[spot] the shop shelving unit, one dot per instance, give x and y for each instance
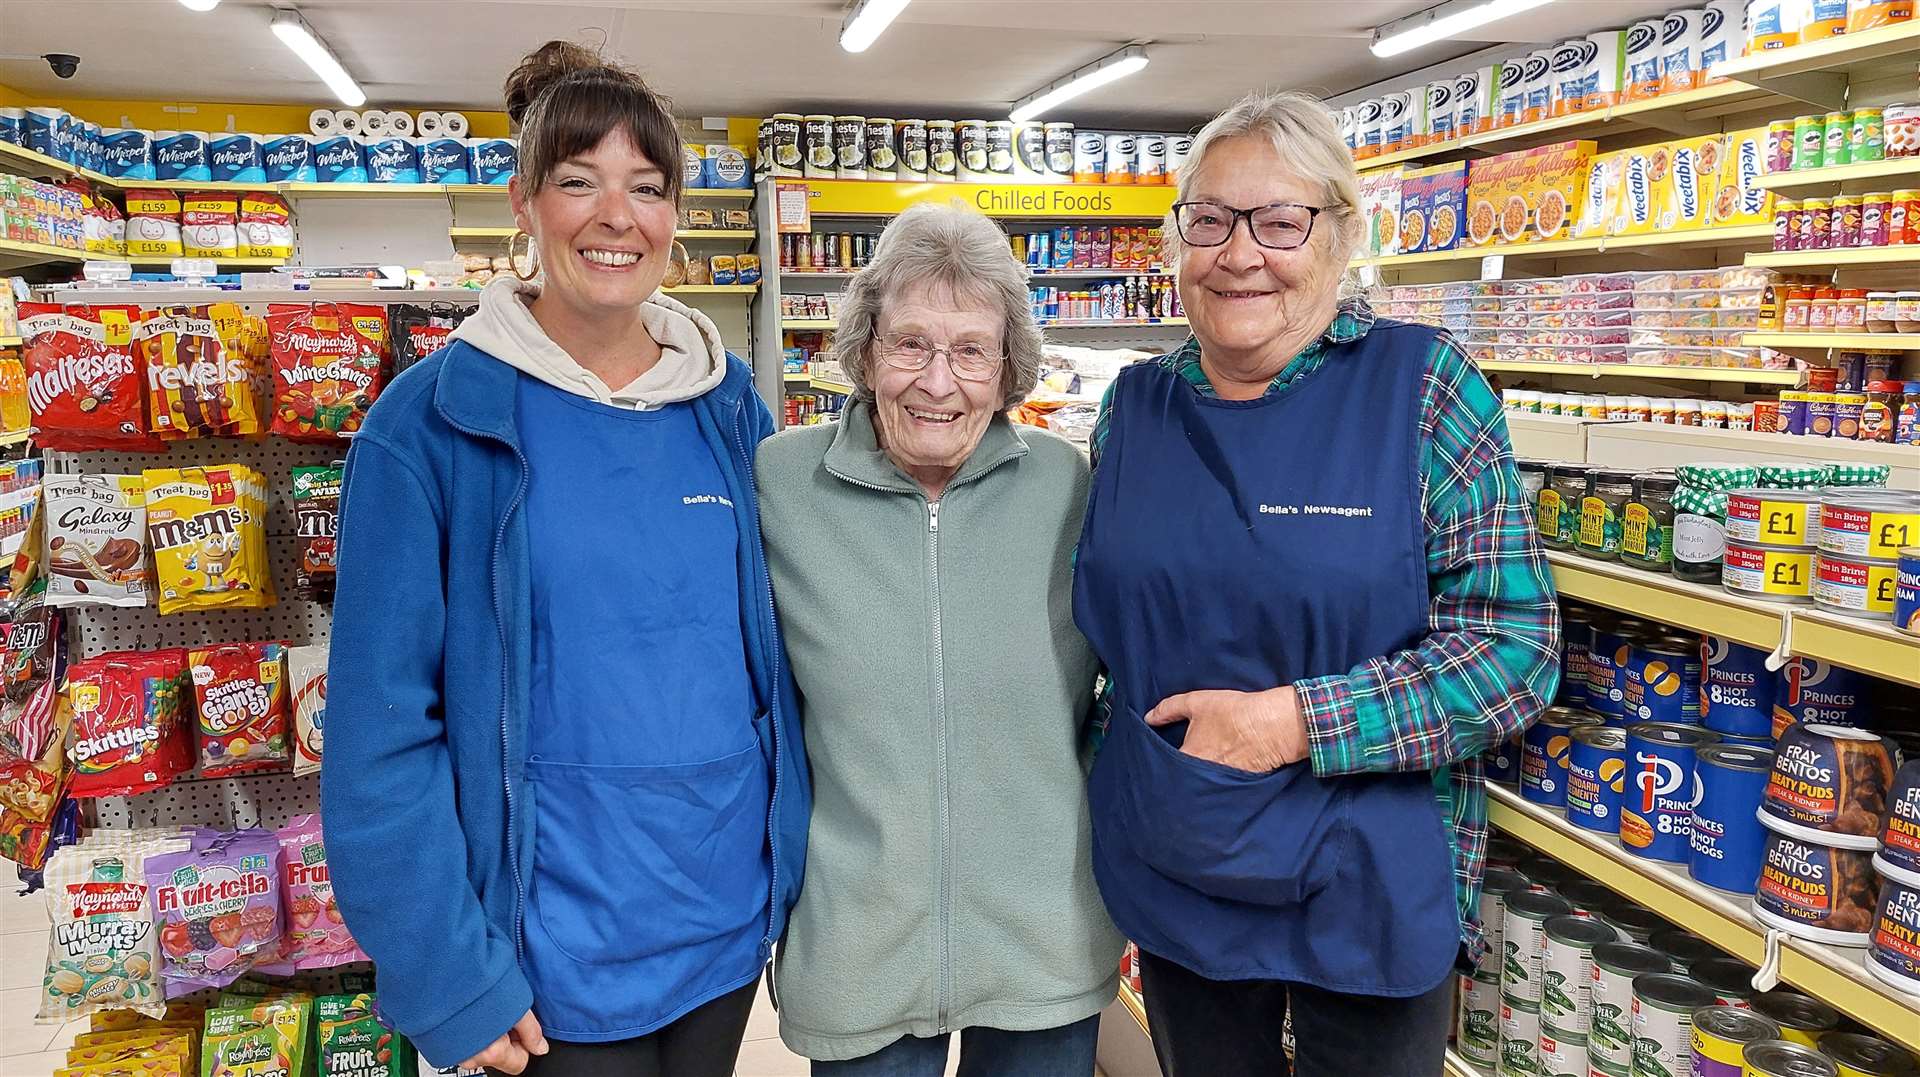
(1852, 258)
(14, 254)
(1471, 256)
(1658, 373)
(1820, 72)
(1896, 171)
(1832, 974)
(1675, 113)
(1870, 646)
(1619, 443)
(1904, 342)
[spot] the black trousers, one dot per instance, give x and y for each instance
(1231, 1028)
(704, 1043)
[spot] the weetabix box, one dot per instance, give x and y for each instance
(1380, 208)
(1496, 206)
(1743, 160)
(1637, 211)
(1601, 201)
(1685, 193)
(1556, 188)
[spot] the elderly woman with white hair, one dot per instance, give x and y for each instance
(1310, 570)
(921, 552)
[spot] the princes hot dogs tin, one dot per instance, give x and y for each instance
(1727, 838)
(1737, 699)
(1656, 820)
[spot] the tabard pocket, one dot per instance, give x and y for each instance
(634, 861)
(1267, 839)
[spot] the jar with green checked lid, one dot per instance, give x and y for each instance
(1699, 533)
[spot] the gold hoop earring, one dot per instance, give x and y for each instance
(513, 260)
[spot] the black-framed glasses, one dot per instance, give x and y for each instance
(968, 361)
(1280, 226)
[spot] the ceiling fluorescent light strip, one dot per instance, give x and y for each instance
(867, 21)
(295, 34)
(1441, 22)
(1112, 66)
(200, 5)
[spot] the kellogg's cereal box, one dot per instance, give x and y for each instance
(1433, 208)
(1496, 204)
(1380, 208)
(1736, 200)
(1555, 187)
(1685, 195)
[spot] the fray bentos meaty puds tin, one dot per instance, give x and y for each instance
(1816, 892)
(1830, 784)
(1899, 855)
(1893, 952)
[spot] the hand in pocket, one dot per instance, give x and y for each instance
(1251, 731)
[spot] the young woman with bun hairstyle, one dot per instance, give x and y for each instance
(565, 799)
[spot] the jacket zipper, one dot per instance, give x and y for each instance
(945, 1000)
(506, 688)
(944, 992)
(773, 698)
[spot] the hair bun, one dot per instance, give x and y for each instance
(548, 64)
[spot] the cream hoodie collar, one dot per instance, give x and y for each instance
(692, 359)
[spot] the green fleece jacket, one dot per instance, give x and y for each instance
(943, 692)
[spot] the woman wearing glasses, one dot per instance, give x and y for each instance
(921, 552)
(1310, 571)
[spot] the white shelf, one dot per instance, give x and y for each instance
(1811, 180)
(1903, 342)
(1657, 373)
(1834, 975)
(1870, 646)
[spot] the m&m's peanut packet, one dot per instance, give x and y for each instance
(208, 530)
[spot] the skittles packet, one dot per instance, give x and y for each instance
(241, 692)
(129, 732)
(218, 910)
(207, 527)
(329, 364)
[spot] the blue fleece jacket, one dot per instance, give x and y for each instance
(425, 792)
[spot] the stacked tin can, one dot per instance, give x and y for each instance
(1478, 1033)
(1862, 533)
(1566, 999)
(1825, 810)
(1773, 535)
(1896, 921)
(1523, 933)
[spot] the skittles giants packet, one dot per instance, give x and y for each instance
(130, 732)
(316, 511)
(317, 938)
(201, 379)
(354, 1042)
(218, 909)
(84, 382)
(241, 692)
(329, 364)
(208, 529)
(102, 954)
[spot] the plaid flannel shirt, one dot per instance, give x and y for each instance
(1491, 659)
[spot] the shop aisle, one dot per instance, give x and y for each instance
(26, 1049)
(32, 1050)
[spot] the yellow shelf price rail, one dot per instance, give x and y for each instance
(1849, 258)
(1833, 975)
(1823, 341)
(1693, 237)
(1870, 646)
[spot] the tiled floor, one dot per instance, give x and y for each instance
(27, 1049)
(34, 1050)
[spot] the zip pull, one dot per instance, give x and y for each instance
(933, 516)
